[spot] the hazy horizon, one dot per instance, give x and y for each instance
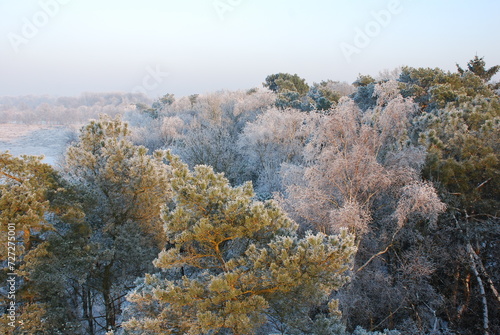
(67, 47)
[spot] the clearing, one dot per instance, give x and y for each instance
(50, 141)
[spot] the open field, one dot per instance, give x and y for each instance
(49, 141)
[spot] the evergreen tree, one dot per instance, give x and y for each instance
(285, 81)
(462, 137)
(234, 264)
(124, 189)
(24, 184)
(325, 94)
(31, 198)
(478, 67)
(291, 91)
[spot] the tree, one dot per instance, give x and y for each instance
(478, 67)
(233, 263)
(275, 137)
(55, 270)
(285, 81)
(435, 89)
(461, 135)
(360, 172)
(211, 130)
(324, 95)
(33, 198)
(364, 95)
(364, 80)
(24, 185)
(124, 188)
(291, 90)
(355, 157)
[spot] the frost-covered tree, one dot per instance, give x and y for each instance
(327, 93)
(235, 264)
(478, 67)
(291, 91)
(353, 158)
(275, 137)
(57, 267)
(24, 186)
(124, 188)
(24, 183)
(460, 128)
(285, 81)
(364, 95)
(436, 89)
(32, 199)
(362, 173)
(211, 129)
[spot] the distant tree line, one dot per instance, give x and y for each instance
(50, 110)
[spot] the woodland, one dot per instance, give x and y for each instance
(369, 208)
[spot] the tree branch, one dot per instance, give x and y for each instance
(11, 177)
(373, 257)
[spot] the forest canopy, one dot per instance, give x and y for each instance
(295, 208)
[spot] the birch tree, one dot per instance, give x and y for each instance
(362, 173)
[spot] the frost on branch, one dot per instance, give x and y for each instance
(234, 263)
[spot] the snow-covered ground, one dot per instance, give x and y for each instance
(50, 141)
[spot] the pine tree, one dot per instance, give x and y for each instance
(462, 137)
(233, 263)
(478, 67)
(32, 197)
(24, 183)
(291, 91)
(124, 189)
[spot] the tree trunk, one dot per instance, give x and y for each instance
(87, 309)
(27, 239)
(481, 289)
(108, 301)
(485, 274)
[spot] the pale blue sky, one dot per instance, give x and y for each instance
(113, 45)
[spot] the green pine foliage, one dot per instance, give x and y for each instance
(233, 263)
(459, 124)
(24, 184)
(122, 189)
(291, 91)
(464, 153)
(478, 67)
(33, 199)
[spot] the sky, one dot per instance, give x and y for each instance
(66, 47)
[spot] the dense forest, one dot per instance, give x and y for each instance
(369, 208)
